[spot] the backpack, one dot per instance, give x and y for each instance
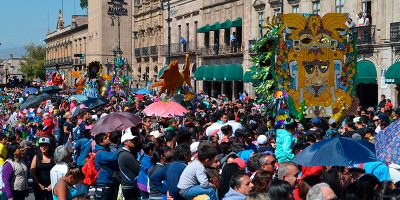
(78, 152)
(89, 169)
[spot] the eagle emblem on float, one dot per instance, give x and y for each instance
(176, 82)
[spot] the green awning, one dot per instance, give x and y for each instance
(226, 25)
(219, 73)
(198, 74)
(233, 72)
(162, 71)
(248, 76)
(392, 75)
(237, 23)
(215, 27)
(366, 72)
(204, 29)
(228, 72)
(208, 74)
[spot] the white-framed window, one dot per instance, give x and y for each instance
(316, 7)
(295, 9)
(339, 6)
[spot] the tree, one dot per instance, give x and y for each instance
(33, 63)
(84, 4)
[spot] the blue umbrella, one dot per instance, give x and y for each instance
(78, 97)
(337, 151)
(143, 91)
(34, 100)
(52, 89)
(387, 143)
(30, 90)
(93, 103)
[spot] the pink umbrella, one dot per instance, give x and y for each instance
(165, 109)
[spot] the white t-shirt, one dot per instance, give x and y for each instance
(57, 172)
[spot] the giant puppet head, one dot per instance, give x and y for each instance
(315, 62)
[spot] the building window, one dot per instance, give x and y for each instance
(295, 9)
(277, 11)
(316, 7)
(339, 6)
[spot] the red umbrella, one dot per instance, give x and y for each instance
(165, 109)
(117, 121)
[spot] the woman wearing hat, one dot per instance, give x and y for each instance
(40, 169)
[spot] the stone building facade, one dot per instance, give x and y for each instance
(218, 35)
(95, 37)
(62, 44)
(184, 18)
(10, 68)
(147, 30)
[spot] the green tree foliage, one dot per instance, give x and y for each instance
(33, 63)
(264, 60)
(84, 4)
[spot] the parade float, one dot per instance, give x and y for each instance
(55, 78)
(176, 82)
(306, 65)
(91, 84)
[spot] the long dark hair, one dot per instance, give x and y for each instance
(261, 181)
(279, 190)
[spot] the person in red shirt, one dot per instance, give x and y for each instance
(48, 125)
(388, 105)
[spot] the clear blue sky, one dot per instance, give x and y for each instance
(27, 21)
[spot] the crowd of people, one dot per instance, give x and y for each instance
(221, 149)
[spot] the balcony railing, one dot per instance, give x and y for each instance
(274, 1)
(137, 52)
(153, 51)
(364, 35)
(178, 49)
(145, 51)
(395, 32)
(216, 50)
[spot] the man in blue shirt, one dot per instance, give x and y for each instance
(172, 172)
(106, 163)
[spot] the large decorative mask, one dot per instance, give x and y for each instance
(315, 62)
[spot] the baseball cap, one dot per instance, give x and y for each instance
(315, 120)
(240, 162)
(44, 140)
(156, 134)
(194, 147)
(332, 121)
(262, 139)
(126, 137)
(357, 119)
